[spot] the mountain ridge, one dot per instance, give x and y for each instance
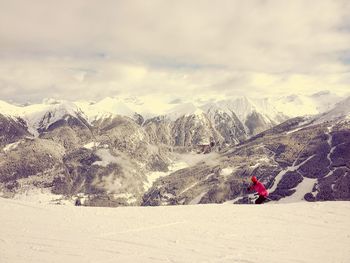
(111, 161)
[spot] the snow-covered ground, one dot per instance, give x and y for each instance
(42, 196)
(153, 176)
(341, 110)
(298, 232)
(192, 158)
(292, 168)
(301, 190)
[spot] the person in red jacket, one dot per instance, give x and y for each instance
(260, 188)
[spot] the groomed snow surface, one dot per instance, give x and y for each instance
(298, 232)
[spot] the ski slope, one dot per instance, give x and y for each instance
(298, 232)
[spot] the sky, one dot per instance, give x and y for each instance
(172, 50)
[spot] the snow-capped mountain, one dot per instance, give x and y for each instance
(39, 117)
(105, 108)
(230, 121)
(231, 128)
(325, 100)
(12, 130)
(340, 111)
(184, 109)
(295, 160)
(195, 129)
(112, 159)
(246, 116)
(243, 107)
(301, 105)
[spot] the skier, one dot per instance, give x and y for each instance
(260, 188)
(77, 202)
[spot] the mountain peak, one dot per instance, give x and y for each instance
(340, 111)
(184, 109)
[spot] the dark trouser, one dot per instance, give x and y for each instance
(260, 200)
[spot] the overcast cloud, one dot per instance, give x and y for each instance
(89, 49)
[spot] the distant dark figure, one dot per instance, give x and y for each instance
(260, 188)
(77, 202)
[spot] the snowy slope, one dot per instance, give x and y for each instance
(105, 108)
(9, 109)
(52, 110)
(40, 115)
(148, 107)
(243, 107)
(340, 111)
(301, 105)
(108, 107)
(303, 232)
(271, 110)
(185, 109)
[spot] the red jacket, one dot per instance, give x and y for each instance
(260, 188)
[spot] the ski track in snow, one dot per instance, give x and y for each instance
(144, 229)
(283, 172)
(316, 232)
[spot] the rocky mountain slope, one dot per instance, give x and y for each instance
(297, 160)
(112, 160)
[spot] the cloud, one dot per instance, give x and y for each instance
(90, 49)
(176, 101)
